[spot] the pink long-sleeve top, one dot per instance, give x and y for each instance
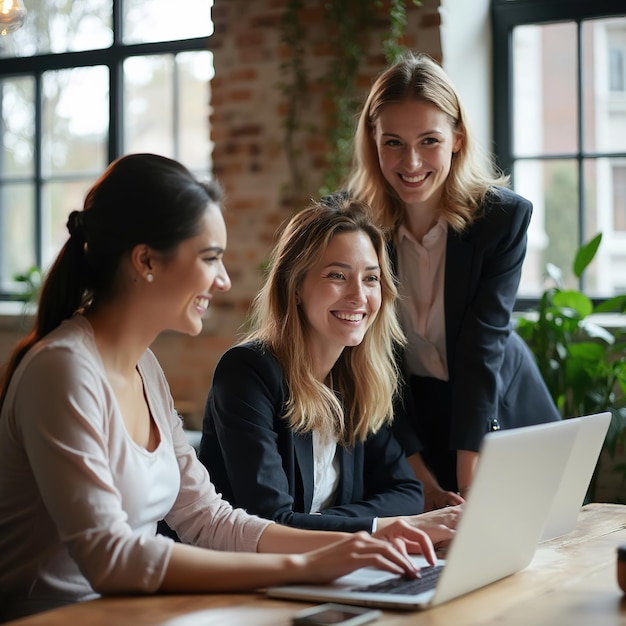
(79, 499)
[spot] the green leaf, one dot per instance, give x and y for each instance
(574, 300)
(585, 255)
(619, 371)
(588, 351)
(617, 303)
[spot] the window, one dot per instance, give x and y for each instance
(617, 69)
(560, 131)
(619, 196)
(81, 83)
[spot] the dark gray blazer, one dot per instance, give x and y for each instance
(493, 377)
(257, 462)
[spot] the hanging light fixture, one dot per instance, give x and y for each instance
(12, 15)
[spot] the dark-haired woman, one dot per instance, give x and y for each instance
(92, 453)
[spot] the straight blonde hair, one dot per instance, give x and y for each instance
(472, 176)
(366, 376)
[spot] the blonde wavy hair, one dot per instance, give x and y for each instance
(472, 175)
(365, 377)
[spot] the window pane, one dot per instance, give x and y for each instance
(195, 70)
(604, 76)
(544, 89)
(76, 120)
(619, 197)
(17, 126)
(17, 224)
(63, 26)
(605, 183)
(552, 187)
(59, 200)
(166, 20)
(149, 101)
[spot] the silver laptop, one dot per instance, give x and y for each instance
(577, 476)
(518, 474)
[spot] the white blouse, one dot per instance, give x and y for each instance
(325, 472)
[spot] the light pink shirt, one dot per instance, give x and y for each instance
(79, 499)
(421, 272)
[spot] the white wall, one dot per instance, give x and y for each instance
(466, 49)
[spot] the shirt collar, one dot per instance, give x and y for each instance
(430, 238)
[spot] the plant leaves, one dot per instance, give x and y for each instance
(573, 300)
(585, 255)
(617, 303)
(587, 350)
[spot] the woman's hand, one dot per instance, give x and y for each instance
(434, 496)
(440, 525)
(407, 536)
(437, 498)
(386, 552)
(192, 569)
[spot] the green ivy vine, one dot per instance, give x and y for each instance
(295, 85)
(349, 24)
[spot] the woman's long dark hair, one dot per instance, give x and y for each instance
(140, 199)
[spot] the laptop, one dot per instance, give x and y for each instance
(577, 476)
(517, 477)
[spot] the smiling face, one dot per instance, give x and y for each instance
(340, 297)
(415, 142)
(187, 280)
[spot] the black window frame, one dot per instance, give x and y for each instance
(505, 16)
(113, 58)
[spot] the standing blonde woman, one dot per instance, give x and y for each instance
(297, 422)
(458, 244)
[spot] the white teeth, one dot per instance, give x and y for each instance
(202, 302)
(413, 179)
(350, 317)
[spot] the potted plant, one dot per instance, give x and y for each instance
(582, 362)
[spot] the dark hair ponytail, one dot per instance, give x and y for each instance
(140, 198)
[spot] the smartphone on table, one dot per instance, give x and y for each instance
(335, 615)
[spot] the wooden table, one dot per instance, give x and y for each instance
(570, 582)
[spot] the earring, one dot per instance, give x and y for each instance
(149, 277)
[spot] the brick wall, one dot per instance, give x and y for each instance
(249, 159)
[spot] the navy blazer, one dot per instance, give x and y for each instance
(258, 463)
(493, 376)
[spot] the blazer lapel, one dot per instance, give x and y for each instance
(459, 252)
(346, 475)
(303, 445)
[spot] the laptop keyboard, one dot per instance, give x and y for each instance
(409, 586)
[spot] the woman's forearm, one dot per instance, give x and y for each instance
(465, 468)
(284, 539)
(422, 473)
(434, 496)
(193, 569)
